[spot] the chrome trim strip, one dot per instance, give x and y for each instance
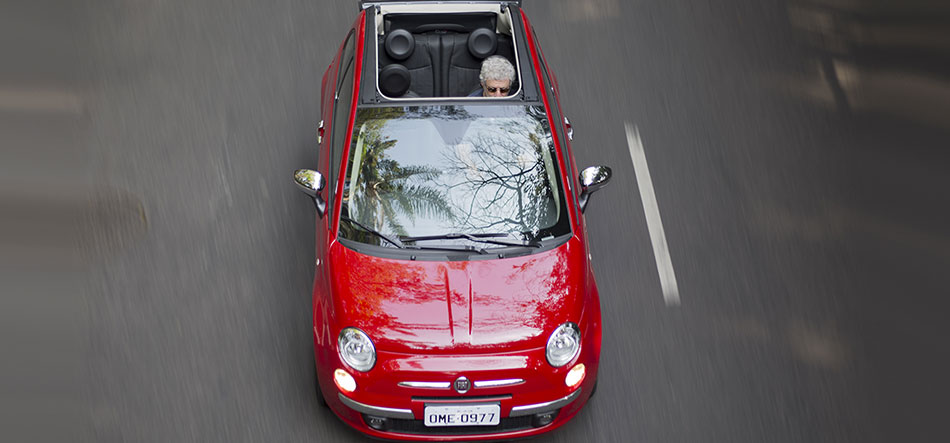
(498, 383)
(518, 411)
(426, 384)
(376, 410)
(448, 384)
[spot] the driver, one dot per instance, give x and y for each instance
(496, 78)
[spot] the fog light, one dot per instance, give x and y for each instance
(377, 423)
(575, 376)
(344, 380)
(543, 419)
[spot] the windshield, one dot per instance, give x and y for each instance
(422, 171)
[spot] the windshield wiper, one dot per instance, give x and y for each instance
(481, 238)
(458, 248)
(414, 247)
(371, 231)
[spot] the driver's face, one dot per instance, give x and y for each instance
(496, 88)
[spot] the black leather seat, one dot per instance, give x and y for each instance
(466, 53)
(419, 53)
(439, 63)
(461, 66)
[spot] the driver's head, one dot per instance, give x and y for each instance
(496, 76)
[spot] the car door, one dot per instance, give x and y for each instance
(561, 127)
(335, 110)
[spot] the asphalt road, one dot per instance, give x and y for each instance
(802, 183)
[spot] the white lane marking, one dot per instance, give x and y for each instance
(664, 265)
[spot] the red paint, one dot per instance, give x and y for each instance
(423, 306)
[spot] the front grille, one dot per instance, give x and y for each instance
(406, 426)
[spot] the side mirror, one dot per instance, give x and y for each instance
(311, 183)
(592, 179)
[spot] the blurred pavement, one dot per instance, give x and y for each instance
(157, 259)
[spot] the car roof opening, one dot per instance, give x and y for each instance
(434, 51)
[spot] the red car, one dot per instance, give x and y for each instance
(453, 297)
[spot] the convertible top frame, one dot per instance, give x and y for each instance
(369, 91)
(363, 4)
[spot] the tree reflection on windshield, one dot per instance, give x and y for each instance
(435, 170)
(505, 174)
(383, 194)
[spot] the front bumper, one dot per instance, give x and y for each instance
(390, 400)
(407, 414)
(402, 421)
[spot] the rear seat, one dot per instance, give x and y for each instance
(462, 65)
(439, 63)
(421, 60)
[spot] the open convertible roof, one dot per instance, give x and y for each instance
(432, 51)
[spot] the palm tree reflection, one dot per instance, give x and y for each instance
(387, 192)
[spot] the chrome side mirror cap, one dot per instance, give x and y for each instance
(311, 183)
(592, 179)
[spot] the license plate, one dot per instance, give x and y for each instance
(462, 415)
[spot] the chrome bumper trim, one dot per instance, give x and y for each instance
(448, 384)
(376, 410)
(518, 411)
(498, 383)
(426, 384)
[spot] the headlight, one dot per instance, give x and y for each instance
(564, 344)
(356, 349)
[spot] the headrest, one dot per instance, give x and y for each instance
(394, 80)
(399, 44)
(482, 42)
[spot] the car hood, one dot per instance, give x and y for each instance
(493, 305)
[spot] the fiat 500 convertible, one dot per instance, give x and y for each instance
(453, 296)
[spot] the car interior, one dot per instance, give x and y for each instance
(439, 54)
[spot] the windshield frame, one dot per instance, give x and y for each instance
(564, 223)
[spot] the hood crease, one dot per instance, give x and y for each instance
(448, 303)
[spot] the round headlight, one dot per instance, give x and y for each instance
(564, 344)
(356, 349)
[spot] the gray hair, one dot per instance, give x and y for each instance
(496, 67)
